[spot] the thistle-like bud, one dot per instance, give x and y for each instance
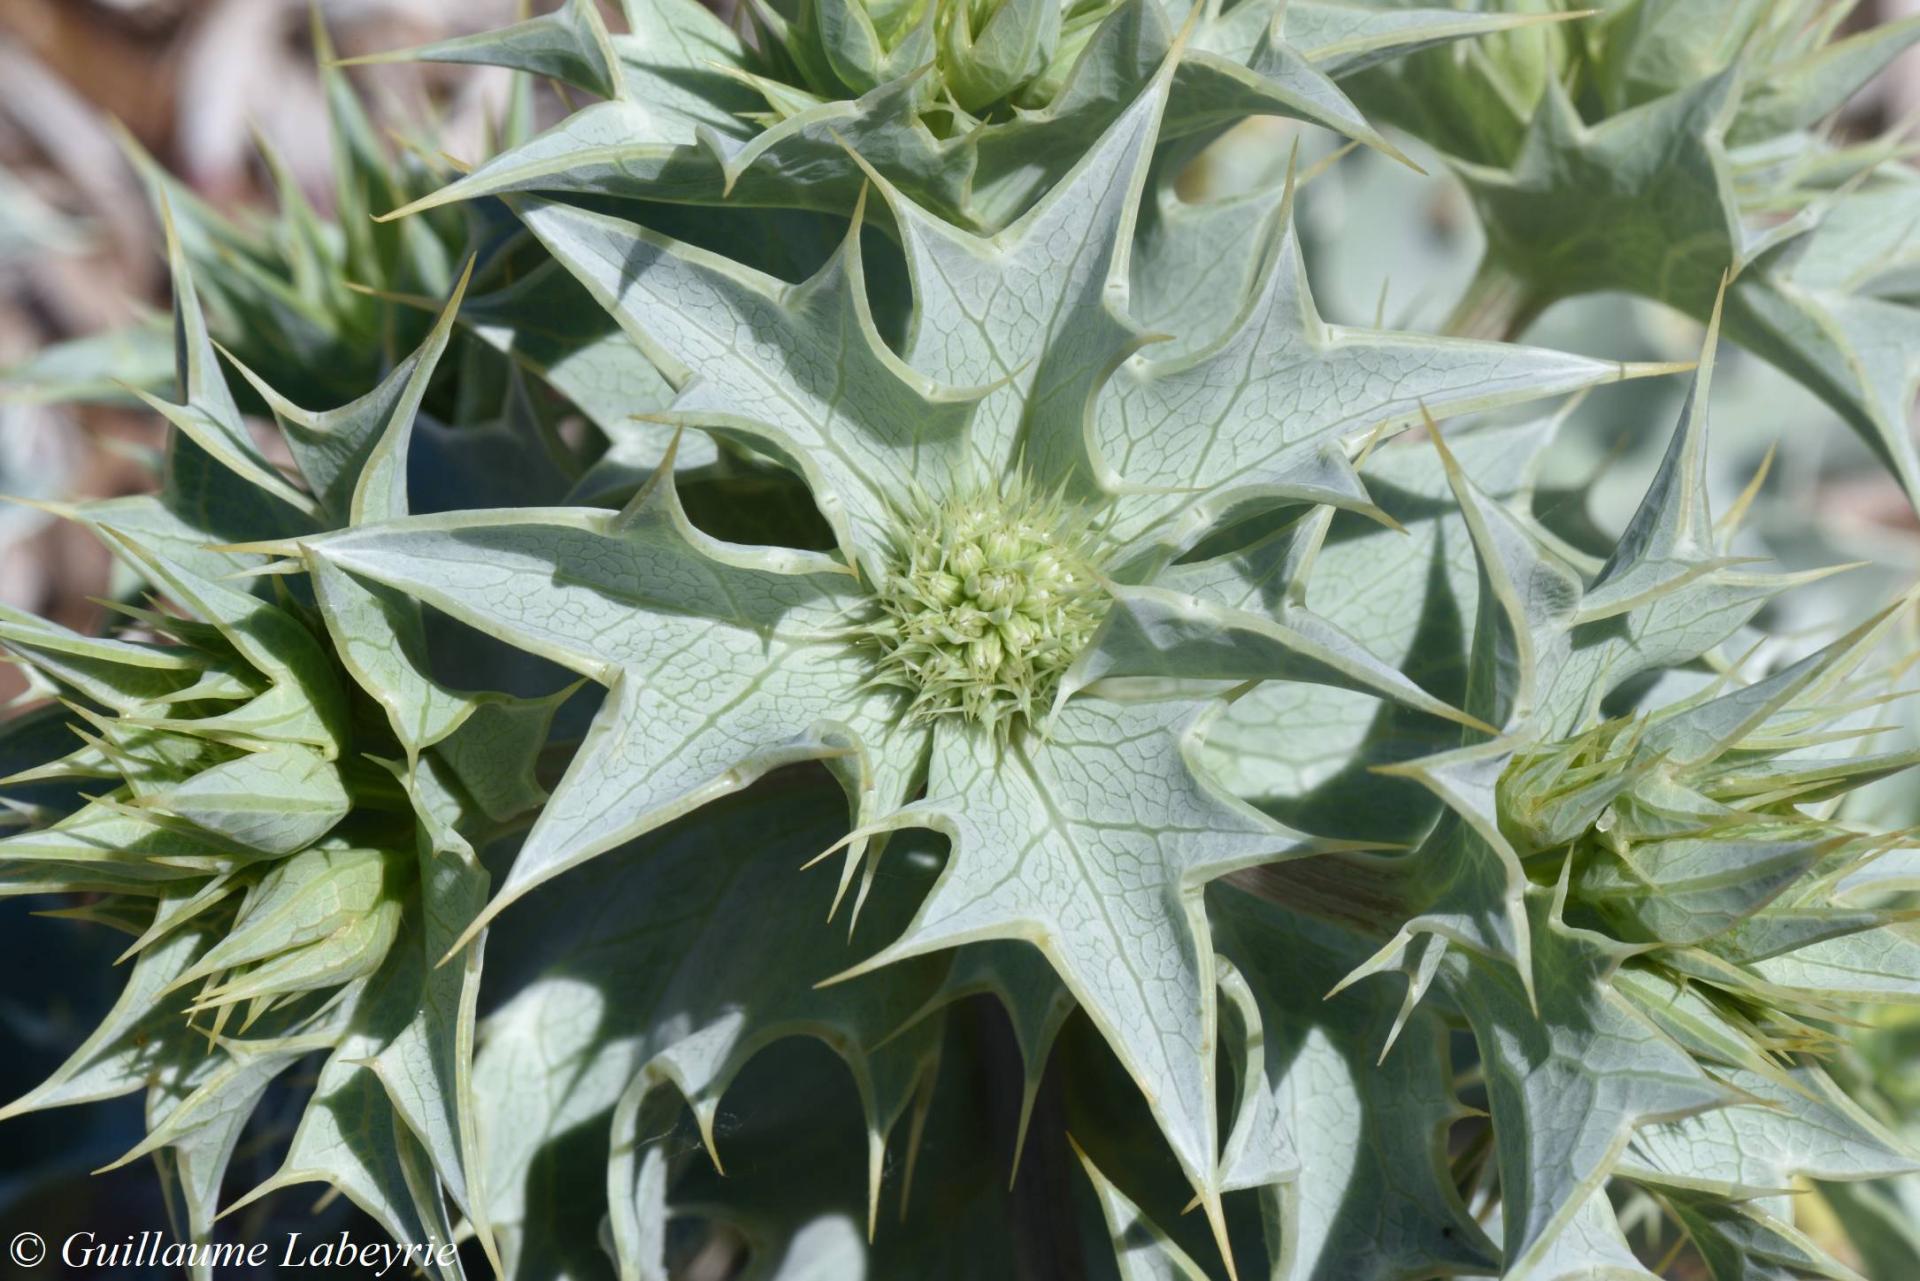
(1689, 827)
(990, 48)
(992, 596)
(853, 46)
(983, 51)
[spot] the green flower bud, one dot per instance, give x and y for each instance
(989, 633)
(940, 587)
(999, 589)
(984, 655)
(990, 48)
(853, 46)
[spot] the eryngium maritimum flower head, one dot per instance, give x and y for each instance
(988, 599)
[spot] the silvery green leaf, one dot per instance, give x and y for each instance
(108, 847)
(1570, 1084)
(1343, 38)
(276, 801)
(1472, 887)
(1802, 1126)
(1371, 1196)
(817, 384)
(335, 449)
(1153, 632)
(1332, 387)
(316, 920)
(1804, 91)
(677, 55)
(378, 634)
(363, 449)
(207, 413)
(1876, 965)
(426, 1067)
(491, 758)
(195, 513)
(120, 674)
(651, 968)
(641, 587)
(1892, 872)
(303, 702)
(1838, 344)
(1667, 594)
(1012, 338)
(1036, 313)
(569, 44)
(1591, 1247)
(1688, 889)
(1402, 595)
(825, 1250)
(117, 1057)
(1742, 1242)
(674, 129)
(1651, 51)
(891, 1061)
(350, 1135)
(1088, 622)
(546, 322)
(1142, 1251)
(1567, 173)
(1690, 1016)
(1670, 539)
(1191, 256)
(1574, 207)
(1014, 44)
(1040, 837)
(1036, 1002)
(195, 1117)
(1212, 92)
(623, 148)
(201, 1091)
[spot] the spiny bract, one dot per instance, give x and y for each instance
(883, 461)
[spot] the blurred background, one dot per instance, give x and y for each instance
(210, 88)
(200, 85)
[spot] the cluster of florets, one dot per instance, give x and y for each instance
(1687, 827)
(981, 52)
(1552, 794)
(988, 599)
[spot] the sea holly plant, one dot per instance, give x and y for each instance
(972, 109)
(1663, 144)
(282, 824)
(1000, 509)
(1630, 911)
(843, 694)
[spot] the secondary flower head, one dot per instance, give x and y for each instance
(973, 55)
(988, 600)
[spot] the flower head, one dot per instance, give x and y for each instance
(989, 599)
